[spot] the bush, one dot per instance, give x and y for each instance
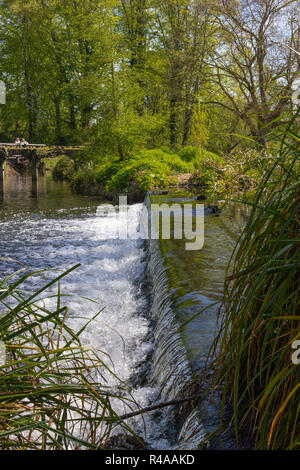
(208, 160)
(64, 168)
(144, 173)
(209, 180)
(147, 170)
(188, 153)
(83, 181)
(105, 172)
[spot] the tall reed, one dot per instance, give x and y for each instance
(49, 397)
(261, 317)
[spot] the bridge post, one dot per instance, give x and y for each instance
(2, 160)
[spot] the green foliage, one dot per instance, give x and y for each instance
(127, 134)
(83, 181)
(200, 126)
(208, 160)
(209, 180)
(147, 170)
(64, 168)
(105, 172)
(241, 171)
(208, 169)
(261, 308)
(201, 158)
(111, 73)
(250, 161)
(188, 153)
(174, 161)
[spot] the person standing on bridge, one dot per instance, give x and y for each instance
(24, 143)
(17, 141)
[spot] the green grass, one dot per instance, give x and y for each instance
(261, 316)
(49, 397)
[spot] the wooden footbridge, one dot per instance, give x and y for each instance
(19, 154)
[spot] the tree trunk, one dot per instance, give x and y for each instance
(175, 102)
(58, 133)
(72, 113)
(31, 100)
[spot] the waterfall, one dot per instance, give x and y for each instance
(170, 368)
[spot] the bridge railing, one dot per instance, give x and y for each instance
(21, 145)
(46, 148)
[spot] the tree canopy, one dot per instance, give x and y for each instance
(126, 74)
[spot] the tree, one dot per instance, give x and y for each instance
(57, 55)
(255, 62)
(185, 33)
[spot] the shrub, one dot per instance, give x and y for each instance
(208, 160)
(144, 173)
(177, 165)
(105, 172)
(146, 170)
(83, 180)
(188, 153)
(165, 156)
(209, 180)
(64, 168)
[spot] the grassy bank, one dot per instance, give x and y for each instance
(162, 168)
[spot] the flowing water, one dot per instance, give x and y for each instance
(57, 230)
(52, 228)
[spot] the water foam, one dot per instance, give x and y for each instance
(111, 274)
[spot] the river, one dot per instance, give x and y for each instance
(56, 229)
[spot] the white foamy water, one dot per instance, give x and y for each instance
(111, 274)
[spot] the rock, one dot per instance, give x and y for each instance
(124, 442)
(213, 209)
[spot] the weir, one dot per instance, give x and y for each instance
(147, 295)
(170, 368)
(184, 284)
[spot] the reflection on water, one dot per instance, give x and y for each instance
(20, 194)
(197, 277)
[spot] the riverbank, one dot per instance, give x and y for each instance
(187, 290)
(163, 169)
